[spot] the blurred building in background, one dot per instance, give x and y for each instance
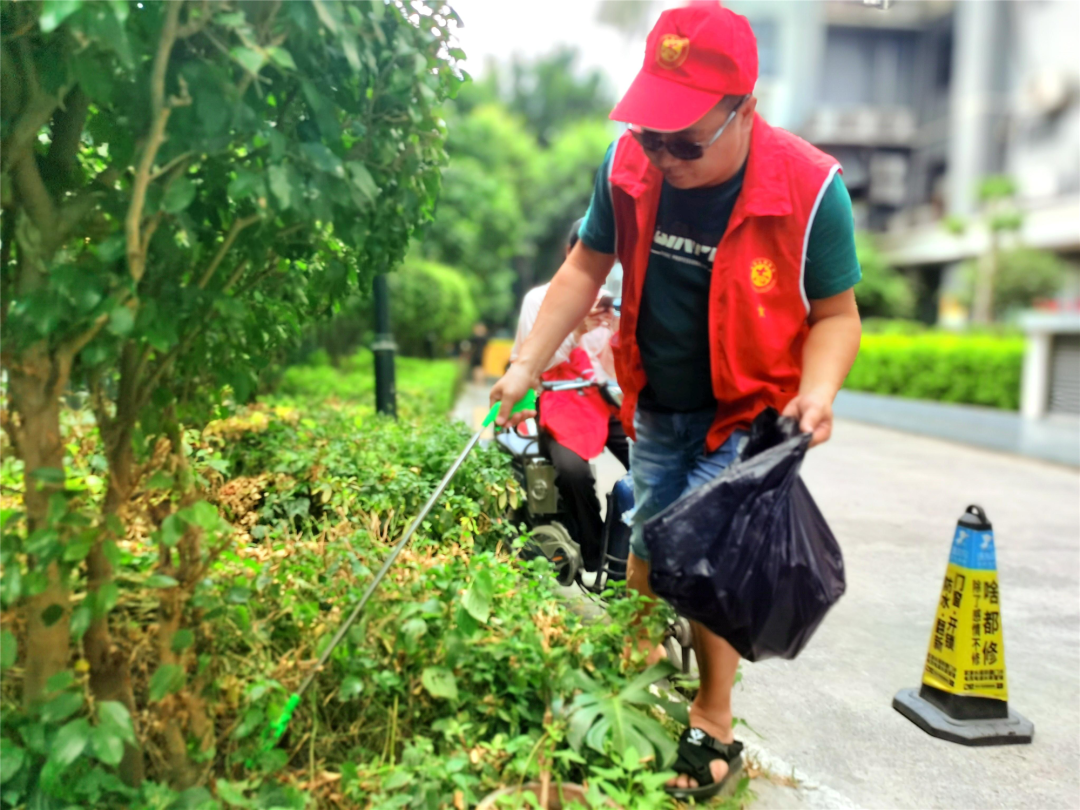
(923, 101)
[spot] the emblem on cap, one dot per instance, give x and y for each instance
(672, 51)
(762, 275)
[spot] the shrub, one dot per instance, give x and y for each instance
(883, 292)
(1024, 275)
(978, 370)
(429, 303)
(431, 309)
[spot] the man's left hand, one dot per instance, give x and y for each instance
(814, 412)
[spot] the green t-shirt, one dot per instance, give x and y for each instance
(673, 323)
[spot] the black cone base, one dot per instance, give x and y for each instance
(1011, 730)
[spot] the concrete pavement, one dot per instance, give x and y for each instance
(893, 499)
(1055, 437)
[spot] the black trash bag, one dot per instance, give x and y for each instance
(749, 554)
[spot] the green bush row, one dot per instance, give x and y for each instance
(433, 382)
(977, 370)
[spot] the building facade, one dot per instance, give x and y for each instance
(921, 102)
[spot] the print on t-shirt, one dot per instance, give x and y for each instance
(683, 249)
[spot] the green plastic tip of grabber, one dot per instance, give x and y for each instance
(526, 403)
(278, 727)
(272, 733)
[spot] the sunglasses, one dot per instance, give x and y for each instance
(652, 141)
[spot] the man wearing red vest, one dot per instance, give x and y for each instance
(737, 246)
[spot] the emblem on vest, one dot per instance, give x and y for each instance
(672, 51)
(762, 275)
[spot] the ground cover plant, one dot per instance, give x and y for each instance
(468, 670)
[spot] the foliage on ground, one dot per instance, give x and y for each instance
(971, 369)
(468, 671)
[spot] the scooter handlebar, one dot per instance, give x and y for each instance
(611, 392)
(569, 385)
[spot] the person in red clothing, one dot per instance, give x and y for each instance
(576, 426)
(737, 246)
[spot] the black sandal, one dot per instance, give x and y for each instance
(697, 750)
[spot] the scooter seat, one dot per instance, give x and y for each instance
(517, 445)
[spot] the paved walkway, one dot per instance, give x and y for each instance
(892, 500)
(1053, 438)
(472, 405)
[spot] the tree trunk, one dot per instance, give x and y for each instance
(180, 771)
(38, 441)
(37, 223)
(185, 713)
(110, 670)
(986, 269)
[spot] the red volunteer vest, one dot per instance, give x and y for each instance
(757, 304)
(575, 419)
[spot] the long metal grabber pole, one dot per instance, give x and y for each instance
(273, 733)
(390, 560)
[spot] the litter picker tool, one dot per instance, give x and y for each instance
(272, 733)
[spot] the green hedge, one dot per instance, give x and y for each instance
(423, 383)
(978, 370)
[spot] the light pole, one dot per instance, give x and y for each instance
(383, 348)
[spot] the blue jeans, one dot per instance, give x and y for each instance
(668, 460)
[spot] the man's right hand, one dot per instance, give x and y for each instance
(508, 391)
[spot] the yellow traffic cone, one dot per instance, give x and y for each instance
(964, 696)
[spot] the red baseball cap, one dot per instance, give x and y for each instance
(694, 56)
